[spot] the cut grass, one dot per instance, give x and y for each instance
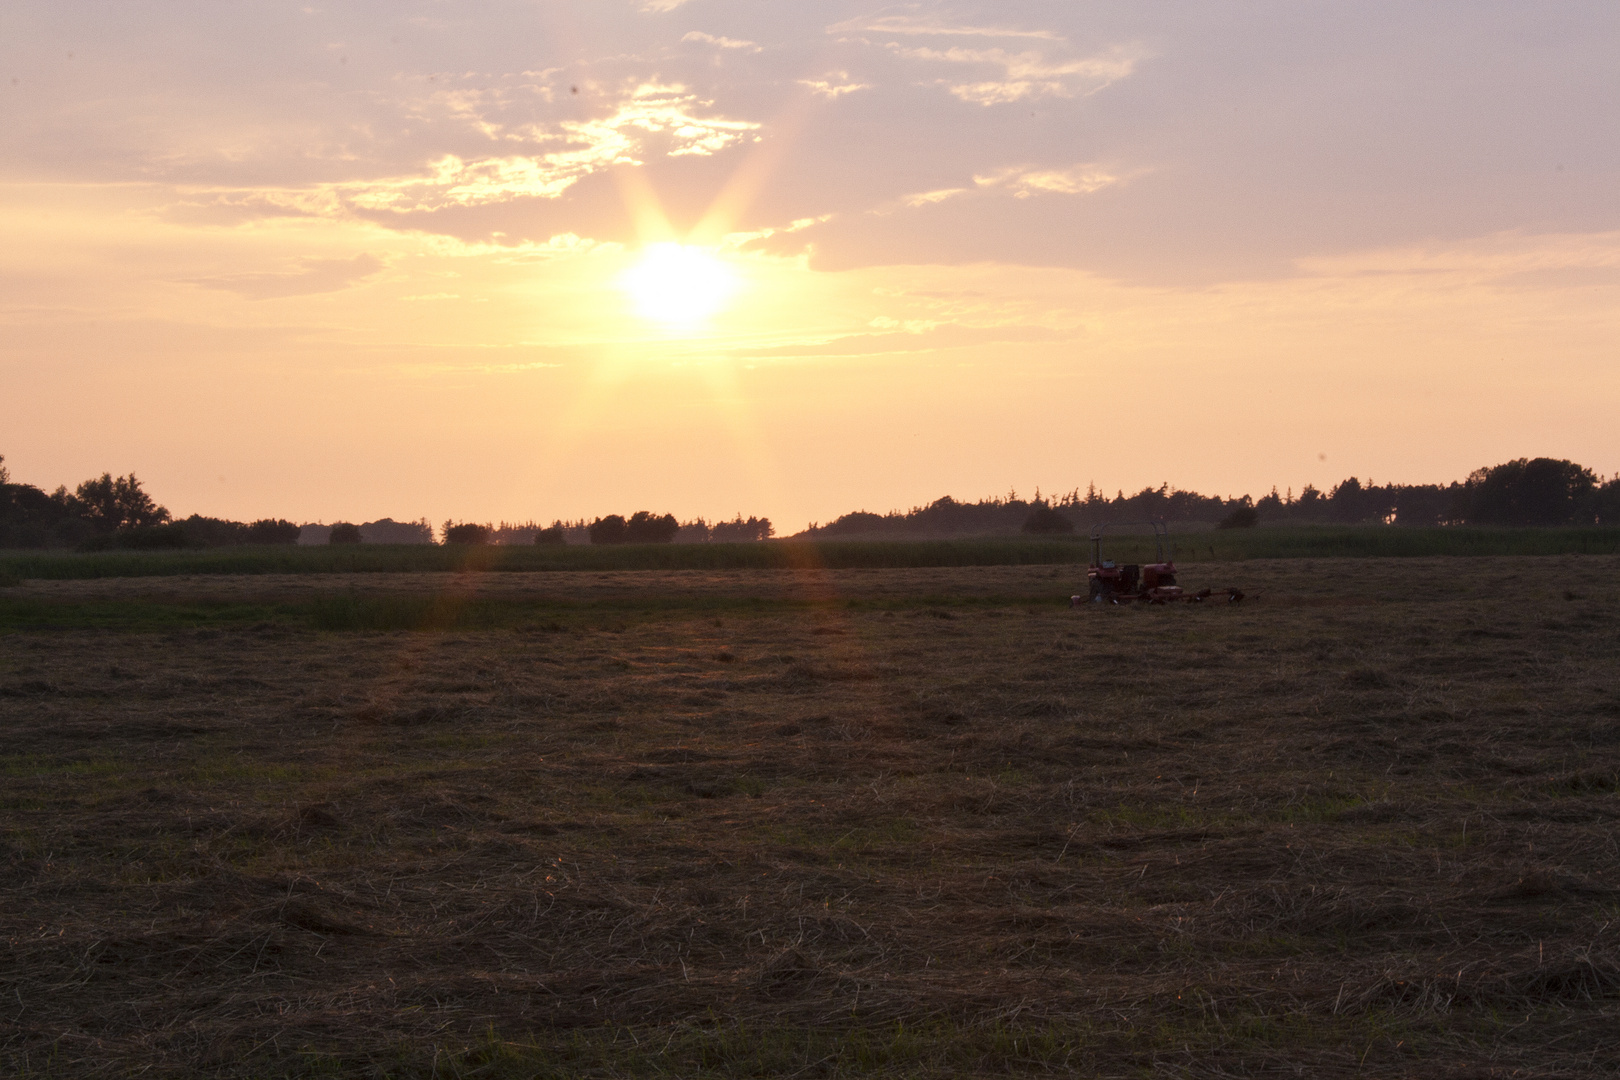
(1365, 827)
(1237, 544)
(349, 613)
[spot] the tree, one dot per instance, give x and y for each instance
(1540, 491)
(742, 531)
(644, 528)
(466, 533)
(612, 529)
(5, 477)
(112, 503)
(1606, 502)
(552, 536)
(344, 532)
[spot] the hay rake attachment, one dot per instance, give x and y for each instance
(1109, 582)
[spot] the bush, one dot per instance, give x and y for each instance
(1243, 516)
(466, 533)
(167, 537)
(344, 533)
(1045, 521)
(217, 532)
(270, 531)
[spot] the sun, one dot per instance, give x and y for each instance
(678, 286)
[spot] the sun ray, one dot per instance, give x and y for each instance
(745, 183)
(646, 209)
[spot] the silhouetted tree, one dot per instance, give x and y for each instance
(112, 503)
(551, 536)
(202, 531)
(389, 531)
(644, 528)
(1539, 491)
(1606, 502)
(612, 529)
(344, 532)
(742, 530)
(466, 533)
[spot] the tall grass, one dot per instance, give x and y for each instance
(1262, 543)
(381, 558)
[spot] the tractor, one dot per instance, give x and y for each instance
(1149, 583)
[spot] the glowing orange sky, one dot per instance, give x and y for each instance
(378, 260)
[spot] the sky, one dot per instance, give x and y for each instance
(526, 259)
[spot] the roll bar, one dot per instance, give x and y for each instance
(1160, 532)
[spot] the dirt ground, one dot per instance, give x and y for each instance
(1364, 823)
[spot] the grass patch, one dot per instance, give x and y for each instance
(702, 825)
(932, 1048)
(1238, 544)
(438, 613)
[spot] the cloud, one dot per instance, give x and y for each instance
(1026, 74)
(1024, 181)
(905, 24)
(654, 121)
(660, 6)
(742, 241)
(903, 336)
(925, 198)
(835, 85)
(722, 42)
(313, 276)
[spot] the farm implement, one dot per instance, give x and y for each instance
(1109, 582)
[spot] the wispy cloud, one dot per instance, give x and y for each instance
(917, 27)
(721, 42)
(834, 85)
(1021, 181)
(655, 120)
(661, 5)
(927, 198)
(312, 276)
(1024, 181)
(902, 336)
(1014, 76)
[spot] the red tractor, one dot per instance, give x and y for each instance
(1149, 583)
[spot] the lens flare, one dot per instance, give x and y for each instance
(678, 286)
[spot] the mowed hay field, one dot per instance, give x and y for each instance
(742, 823)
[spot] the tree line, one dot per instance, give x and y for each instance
(116, 512)
(641, 527)
(1524, 492)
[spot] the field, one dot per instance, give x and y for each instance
(811, 821)
(1185, 546)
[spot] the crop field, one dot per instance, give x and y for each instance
(1187, 545)
(812, 821)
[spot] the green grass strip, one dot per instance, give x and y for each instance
(1231, 545)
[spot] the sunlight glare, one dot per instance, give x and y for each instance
(677, 285)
